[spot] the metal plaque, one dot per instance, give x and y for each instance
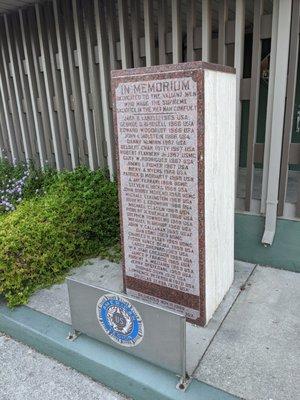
(147, 331)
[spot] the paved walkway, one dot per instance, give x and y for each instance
(256, 352)
(250, 348)
(28, 375)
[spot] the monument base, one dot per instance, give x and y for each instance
(45, 323)
(109, 276)
(107, 314)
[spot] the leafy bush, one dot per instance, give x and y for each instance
(10, 171)
(75, 217)
(38, 181)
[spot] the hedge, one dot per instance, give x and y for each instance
(63, 219)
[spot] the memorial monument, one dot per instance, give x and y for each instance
(175, 132)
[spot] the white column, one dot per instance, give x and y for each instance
(238, 64)
(280, 81)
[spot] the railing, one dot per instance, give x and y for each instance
(55, 103)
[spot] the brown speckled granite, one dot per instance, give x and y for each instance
(194, 70)
(187, 66)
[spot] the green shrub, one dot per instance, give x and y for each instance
(75, 218)
(10, 171)
(38, 181)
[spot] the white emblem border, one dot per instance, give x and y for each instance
(141, 328)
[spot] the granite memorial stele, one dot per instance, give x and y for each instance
(175, 133)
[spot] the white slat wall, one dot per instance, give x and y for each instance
(55, 62)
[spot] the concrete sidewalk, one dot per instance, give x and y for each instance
(256, 352)
(26, 374)
(250, 348)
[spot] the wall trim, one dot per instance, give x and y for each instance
(285, 250)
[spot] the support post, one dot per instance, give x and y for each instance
(66, 85)
(266, 160)
(135, 29)
(46, 68)
(206, 30)
(280, 79)
(254, 99)
(30, 87)
(238, 64)
(149, 33)
(176, 32)
(223, 16)
(84, 84)
(124, 34)
(105, 85)
(290, 102)
(190, 27)
(162, 30)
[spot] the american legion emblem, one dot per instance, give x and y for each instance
(120, 320)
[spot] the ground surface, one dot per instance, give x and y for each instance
(55, 302)
(250, 348)
(256, 353)
(28, 375)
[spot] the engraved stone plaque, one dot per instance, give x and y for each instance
(159, 125)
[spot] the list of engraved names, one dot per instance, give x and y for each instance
(157, 134)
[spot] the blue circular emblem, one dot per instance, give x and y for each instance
(120, 320)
